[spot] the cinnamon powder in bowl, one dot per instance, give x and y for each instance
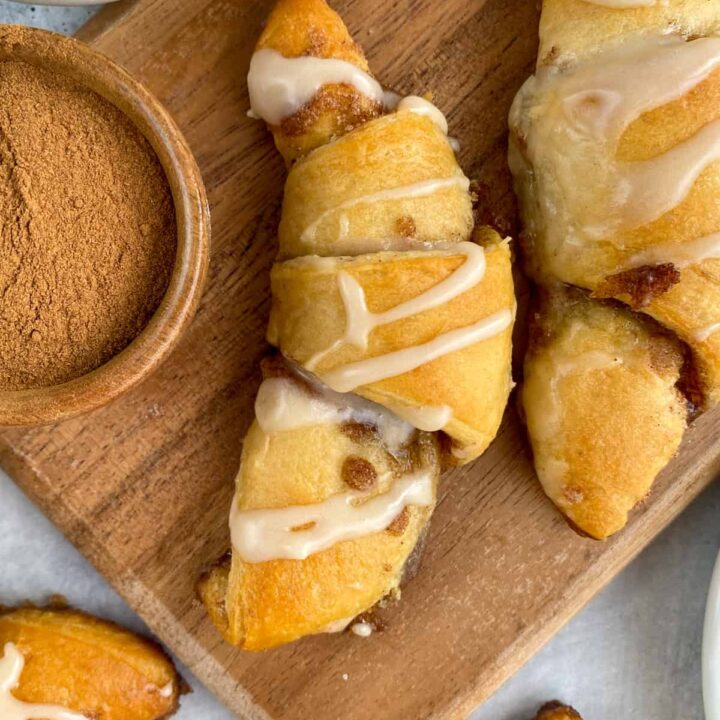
(88, 235)
(103, 229)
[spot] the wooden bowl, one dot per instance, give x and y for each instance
(92, 69)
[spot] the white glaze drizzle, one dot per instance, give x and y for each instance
(362, 629)
(284, 404)
(649, 189)
(348, 377)
(681, 255)
(11, 667)
(574, 119)
(430, 418)
(280, 86)
(589, 361)
(423, 188)
(421, 106)
(704, 333)
(270, 534)
(360, 322)
(166, 691)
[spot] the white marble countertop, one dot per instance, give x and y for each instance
(633, 653)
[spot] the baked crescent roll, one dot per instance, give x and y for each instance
(557, 711)
(586, 361)
(66, 665)
(395, 322)
(615, 143)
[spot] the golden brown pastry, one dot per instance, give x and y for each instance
(395, 320)
(263, 604)
(308, 316)
(557, 711)
(381, 191)
(306, 27)
(615, 145)
(61, 664)
(328, 210)
(586, 360)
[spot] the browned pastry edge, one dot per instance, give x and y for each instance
(373, 616)
(689, 385)
(640, 285)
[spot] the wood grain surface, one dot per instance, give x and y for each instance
(143, 486)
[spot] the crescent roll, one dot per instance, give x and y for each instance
(62, 664)
(393, 317)
(615, 143)
(586, 360)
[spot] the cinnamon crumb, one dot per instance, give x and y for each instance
(642, 284)
(359, 432)
(358, 473)
(405, 227)
(315, 42)
(398, 526)
(553, 53)
(305, 526)
(690, 386)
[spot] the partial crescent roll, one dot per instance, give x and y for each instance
(586, 361)
(62, 664)
(557, 711)
(335, 108)
(615, 144)
(394, 317)
(330, 211)
(281, 600)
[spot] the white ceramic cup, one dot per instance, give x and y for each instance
(711, 649)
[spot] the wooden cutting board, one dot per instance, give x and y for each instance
(143, 487)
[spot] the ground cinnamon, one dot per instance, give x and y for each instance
(87, 229)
